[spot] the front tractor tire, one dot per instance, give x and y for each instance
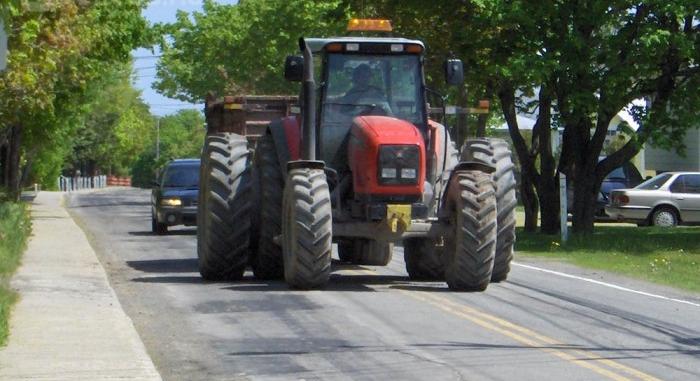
(267, 262)
(306, 229)
(471, 245)
(225, 225)
(496, 152)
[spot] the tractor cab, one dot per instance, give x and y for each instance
(372, 89)
(366, 77)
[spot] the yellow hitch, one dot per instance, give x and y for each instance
(398, 217)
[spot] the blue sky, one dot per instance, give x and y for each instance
(145, 62)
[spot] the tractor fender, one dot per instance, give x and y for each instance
(286, 134)
(474, 166)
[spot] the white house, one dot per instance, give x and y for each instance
(660, 160)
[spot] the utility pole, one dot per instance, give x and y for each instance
(563, 207)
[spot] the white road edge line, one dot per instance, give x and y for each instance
(605, 284)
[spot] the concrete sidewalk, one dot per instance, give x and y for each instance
(68, 323)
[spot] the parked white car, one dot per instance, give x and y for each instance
(667, 199)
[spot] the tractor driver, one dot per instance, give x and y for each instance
(361, 87)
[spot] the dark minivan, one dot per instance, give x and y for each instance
(174, 195)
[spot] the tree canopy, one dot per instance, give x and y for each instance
(59, 54)
(239, 48)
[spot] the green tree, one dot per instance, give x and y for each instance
(58, 52)
(181, 136)
(580, 62)
(116, 128)
(239, 48)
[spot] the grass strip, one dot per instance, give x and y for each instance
(669, 256)
(15, 226)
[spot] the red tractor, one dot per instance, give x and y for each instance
(364, 167)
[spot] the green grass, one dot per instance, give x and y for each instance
(665, 256)
(14, 229)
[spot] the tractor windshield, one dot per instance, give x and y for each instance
(372, 85)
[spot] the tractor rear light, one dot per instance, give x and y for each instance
(389, 173)
(396, 48)
(408, 173)
(354, 47)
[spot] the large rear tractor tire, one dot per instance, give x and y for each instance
(307, 229)
(267, 262)
(496, 152)
(224, 224)
(423, 259)
(471, 245)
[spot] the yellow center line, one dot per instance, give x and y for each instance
(587, 356)
(524, 335)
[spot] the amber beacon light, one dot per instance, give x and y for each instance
(369, 25)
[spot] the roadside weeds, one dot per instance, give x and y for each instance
(15, 227)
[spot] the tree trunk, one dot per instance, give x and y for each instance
(483, 118)
(546, 183)
(548, 194)
(529, 200)
(585, 197)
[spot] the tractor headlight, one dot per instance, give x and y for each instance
(398, 164)
(172, 201)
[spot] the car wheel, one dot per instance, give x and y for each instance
(664, 217)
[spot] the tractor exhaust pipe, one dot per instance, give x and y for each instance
(308, 142)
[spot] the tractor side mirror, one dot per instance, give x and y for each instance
(294, 68)
(454, 72)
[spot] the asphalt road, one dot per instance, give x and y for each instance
(548, 321)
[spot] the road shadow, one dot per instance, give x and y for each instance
(339, 280)
(171, 279)
(178, 232)
(185, 265)
(106, 204)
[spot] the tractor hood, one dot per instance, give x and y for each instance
(386, 156)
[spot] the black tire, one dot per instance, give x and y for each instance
(497, 153)
(664, 216)
(471, 246)
(225, 224)
(346, 250)
(423, 259)
(368, 252)
(267, 261)
(157, 227)
(307, 229)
